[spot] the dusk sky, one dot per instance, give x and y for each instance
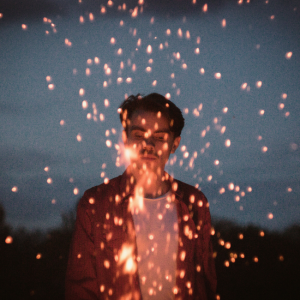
(233, 68)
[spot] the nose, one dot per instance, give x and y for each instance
(148, 143)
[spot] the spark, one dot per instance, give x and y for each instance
(244, 86)
(79, 137)
(227, 143)
(258, 84)
(81, 92)
(288, 55)
(231, 186)
(149, 49)
(85, 104)
(9, 240)
(134, 13)
(68, 43)
(179, 33)
(264, 149)
(218, 75)
(51, 86)
(225, 110)
(284, 96)
(14, 189)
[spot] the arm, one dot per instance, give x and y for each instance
(208, 260)
(206, 280)
(81, 277)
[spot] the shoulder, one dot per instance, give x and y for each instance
(190, 194)
(99, 197)
(104, 188)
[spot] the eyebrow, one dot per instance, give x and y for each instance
(136, 127)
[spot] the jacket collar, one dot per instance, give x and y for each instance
(127, 185)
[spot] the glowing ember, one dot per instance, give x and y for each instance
(108, 143)
(264, 149)
(8, 240)
(51, 86)
(149, 49)
(227, 143)
(288, 55)
(218, 75)
(14, 189)
(258, 84)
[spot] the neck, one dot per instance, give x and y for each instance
(150, 184)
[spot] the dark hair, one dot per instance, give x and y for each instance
(153, 103)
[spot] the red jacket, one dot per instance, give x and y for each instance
(97, 266)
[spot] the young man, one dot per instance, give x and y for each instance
(144, 235)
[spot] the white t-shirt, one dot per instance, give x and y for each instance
(156, 229)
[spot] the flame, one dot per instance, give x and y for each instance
(126, 258)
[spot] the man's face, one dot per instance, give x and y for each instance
(149, 141)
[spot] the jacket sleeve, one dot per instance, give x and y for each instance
(81, 277)
(209, 262)
(206, 270)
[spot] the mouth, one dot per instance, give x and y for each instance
(148, 157)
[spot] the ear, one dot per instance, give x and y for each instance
(175, 144)
(124, 136)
